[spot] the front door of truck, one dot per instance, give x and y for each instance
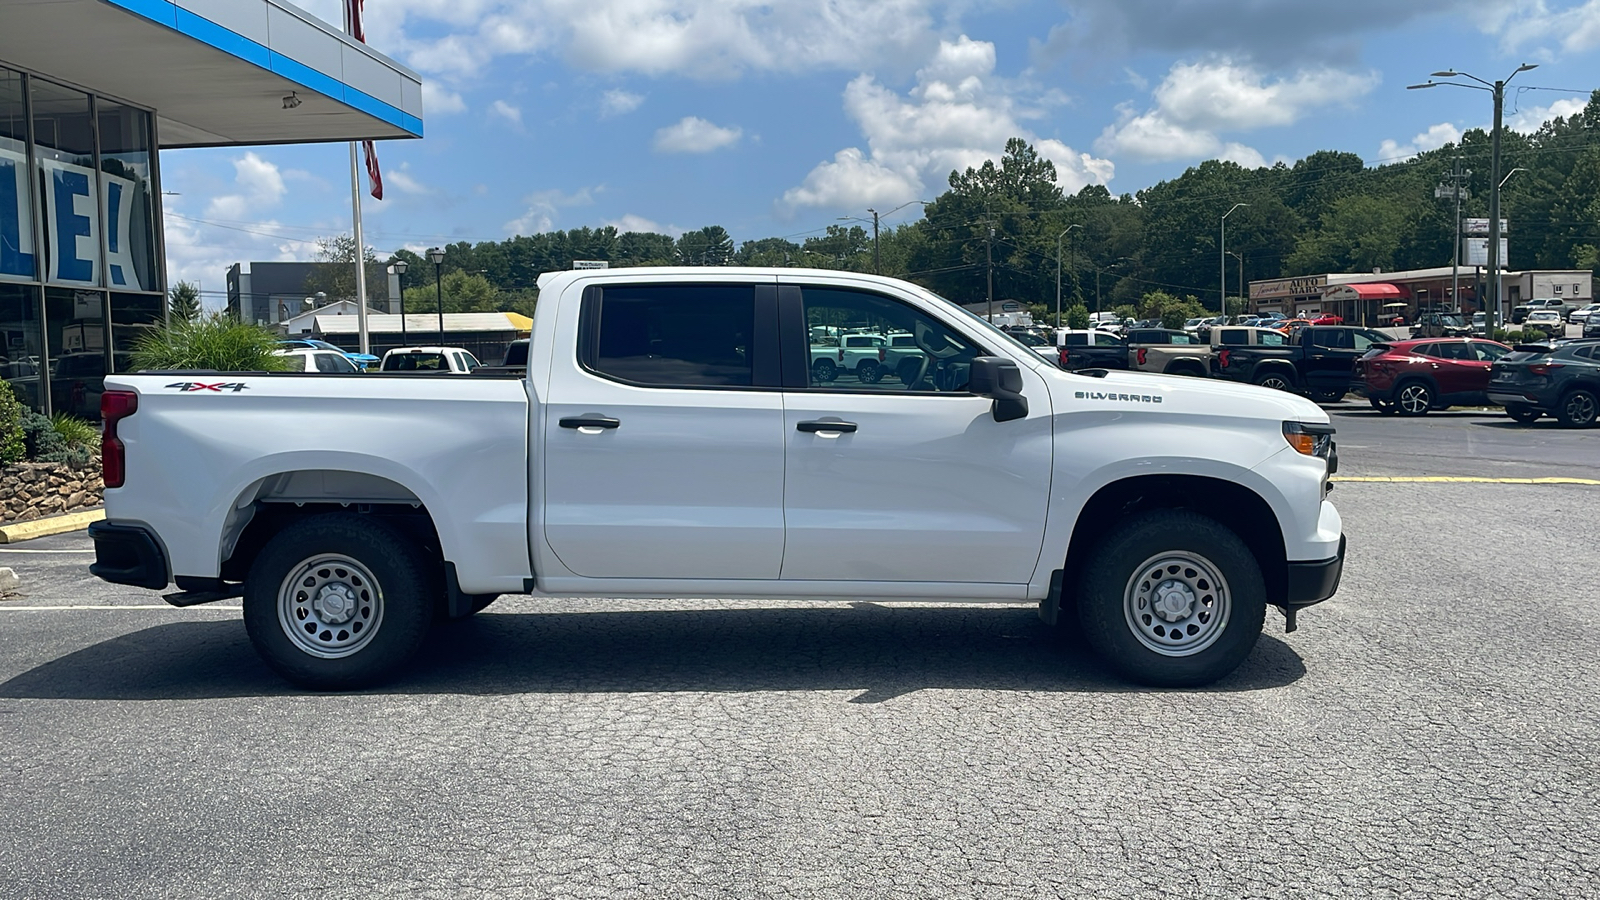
(663, 434)
(909, 478)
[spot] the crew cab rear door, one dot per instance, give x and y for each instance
(909, 478)
(663, 433)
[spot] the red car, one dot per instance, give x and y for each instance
(1412, 377)
(1328, 319)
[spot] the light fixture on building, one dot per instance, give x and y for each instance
(292, 101)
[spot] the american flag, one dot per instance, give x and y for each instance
(353, 11)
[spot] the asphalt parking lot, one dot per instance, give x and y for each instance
(1428, 732)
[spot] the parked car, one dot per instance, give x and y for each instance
(327, 362)
(361, 360)
(1317, 360)
(1549, 379)
(1591, 328)
(1582, 314)
(1090, 349)
(861, 355)
(1431, 325)
(1521, 312)
(1546, 320)
(1480, 324)
(431, 360)
(1328, 319)
(1413, 377)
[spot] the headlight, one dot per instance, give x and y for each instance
(1310, 439)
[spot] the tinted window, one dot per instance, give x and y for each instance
(1585, 353)
(1331, 338)
(1455, 350)
(1271, 338)
(334, 363)
(674, 335)
(1077, 340)
(939, 359)
(1364, 339)
(1107, 340)
(1490, 352)
(1234, 336)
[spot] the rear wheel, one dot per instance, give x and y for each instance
(1327, 396)
(1383, 406)
(1173, 599)
(338, 601)
(1578, 409)
(1278, 381)
(869, 373)
(824, 371)
(1414, 398)
(1524, 415)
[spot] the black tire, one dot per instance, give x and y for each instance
(1327, 396)
(1524, 415)
(824, 370)
(869, 373)
(1278, 381)
(1579, 408)
(1414, 398)
(1383, 406)
(1199, 650)
(320, 561)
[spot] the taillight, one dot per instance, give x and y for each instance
(1544, 368)
(1222, 358)
(880, 354)
(841, 353)
(114, 406)
(1142, 352)
(1066, 357)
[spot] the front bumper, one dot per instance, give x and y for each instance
(1316, 581)
(128, 554)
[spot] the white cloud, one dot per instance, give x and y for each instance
(437, 101)
(1531, 23)
(1528, 120)
(1198, 101)
(640, 224)
(618, 102)
(506, 111)
(959, 114)
(260, 188)
(692, 134)
(544, 209)
(1391, 151)
(402, 178)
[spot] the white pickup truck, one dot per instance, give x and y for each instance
(669, 440)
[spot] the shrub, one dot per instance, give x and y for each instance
(46, 445)
(12, 446)
(1078, 316)
(1507, 336)
(217, 342)
(75, 431)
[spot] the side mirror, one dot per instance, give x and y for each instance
(992, 376)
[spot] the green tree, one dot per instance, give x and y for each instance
(1077, 316)
(183, 301)
(462, 291)
(338, 281)
(709, 246)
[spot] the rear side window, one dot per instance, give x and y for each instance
(1107, 340)
(1077, 340)
(334, 364)
(1234, 337)
(1331, 338)
(671, 335)
(1456, 350)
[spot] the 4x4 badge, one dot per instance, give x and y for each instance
(219, 387)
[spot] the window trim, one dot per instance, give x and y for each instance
(765, 354)
(794, 336)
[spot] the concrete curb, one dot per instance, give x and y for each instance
(27, 531)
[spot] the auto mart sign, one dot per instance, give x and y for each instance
(1278, 288)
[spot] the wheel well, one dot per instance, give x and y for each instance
(1185, 366)
(1237, 507)
(1284, 369)
(278, 501)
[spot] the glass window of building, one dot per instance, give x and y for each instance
(16, 207)
(63, 135)
(77, 344)
(19, 355)
(132, 317)
(127, 205)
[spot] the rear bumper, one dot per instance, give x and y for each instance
(1316, 581)
(1503, 397)
(128, 554)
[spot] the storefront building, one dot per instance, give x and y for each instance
(82, 260)
(1374, 298)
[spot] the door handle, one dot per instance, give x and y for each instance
(589, 422)
(820, 427)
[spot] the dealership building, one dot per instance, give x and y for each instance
(90, 92)
(1368, 298)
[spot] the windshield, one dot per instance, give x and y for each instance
(989, 327)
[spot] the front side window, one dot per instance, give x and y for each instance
(928, 357)
(1488, 352)
(333, 363)
(1364, 339)
(672, 335)
(1332, 339)
(1271, 338)
(1456, 350)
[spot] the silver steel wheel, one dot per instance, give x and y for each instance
(1580, 408)
(1414, 399)
(1177, 603)
(330, 606)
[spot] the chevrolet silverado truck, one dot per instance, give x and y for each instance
(669, 439)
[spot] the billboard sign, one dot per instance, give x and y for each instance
(1480, 226)
(1476, 251)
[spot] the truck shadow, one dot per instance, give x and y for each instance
(879, 652)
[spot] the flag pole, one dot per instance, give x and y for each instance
(355, 214)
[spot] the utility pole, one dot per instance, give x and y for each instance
(875, 257)
(1222, 260)
(1493, 311)
(1064, 233)
(1458, 192)
(988, 252)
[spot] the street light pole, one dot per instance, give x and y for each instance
(1498, 90)
(1058, 268)
(436, 256)
(400, 266)
(1222, 261)
(1241, 277)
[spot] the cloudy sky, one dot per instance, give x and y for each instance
(776, 117)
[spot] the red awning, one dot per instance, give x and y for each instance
(1378, 291)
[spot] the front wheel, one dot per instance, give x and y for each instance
(1172, 599)
(1414, 398)
(338, 601)
(1578, 409)
(869, 373)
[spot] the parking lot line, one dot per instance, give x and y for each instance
(1459, 479)
(19, 608)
